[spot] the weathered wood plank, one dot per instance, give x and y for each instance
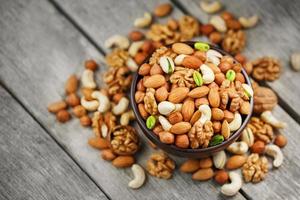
(39, 50)
(32, 165)
(277, 35)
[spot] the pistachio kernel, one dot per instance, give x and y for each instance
(230, 75)
(197, 78)
(201, 46)
(217, 139)
(150, 122)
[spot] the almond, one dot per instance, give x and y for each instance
(71, 84)
(196, 116)
(192, 62)
(163, 10)
(205, 163)
(228, 116)
(182, 48)
(214, 97)
(199, 92)
(189, 166)
(166, 137)
(213, 67)
(221, 177)
(140, 57)
(207, 29)
(63, 116)
(225, 130)
(139, 96)
(57, 106)
(219, 78)
(178, 94)
(201, 101)
(175, 117)
(98, 143)
(188, 109)
(156, 69)
(107, 154)
(161, 94)
(144, 70)
(235, 162)
(155, 81)
(157, 129)
(123, 161)
(140, 86)
(143, 111)
(258, 147)
(180, 128)
(240, 77)
(72, 100)
(217, 126)
(217, 114)
(182, 141)
(203, 174)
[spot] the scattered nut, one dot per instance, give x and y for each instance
(248, 22)
(210, 7)
(139, 177)
(295, 61)
(117, 41)
(143, 21)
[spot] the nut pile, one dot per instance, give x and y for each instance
(196, 94)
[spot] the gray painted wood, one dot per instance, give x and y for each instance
(39, 50)
(32, 165)
(277, 34)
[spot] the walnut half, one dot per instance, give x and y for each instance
(160, 165)
(255, 168)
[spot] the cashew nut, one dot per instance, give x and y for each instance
(126, 117)
(104, 103)
(89, 105)
(179, 59)
(248, 137)
(104, 130)
(238, 148)
(295, 61)
(276, 153)
(236, 123)
(205, 113)
(87, 79)
(219, 159)
(165, 107)
(232, 188)
(131, 64)
(248, 22)
(135, 47)
(167, 65)
(248, 90)
(208, 75)
(210, 7)
(121, 107)
(118, 41)
(219, 23)
(164, 123)
(143, 22)
(139, 176)
(269, 118)
(214, 56)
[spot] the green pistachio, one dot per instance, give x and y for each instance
(230, 75)
(150, 122)
(197, 78)
(201, 46)
(170, 68)
(217, 139)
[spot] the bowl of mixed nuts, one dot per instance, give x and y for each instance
(191, 99)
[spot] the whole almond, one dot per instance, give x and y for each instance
(98, 143)
(155, 81)
(203, 174)
(201, 101)
(192, 62)
(85, 120)
(178, 94)
(136, 35)
(166, 137)
(143, 111)
(205, 163)
(221, 177)
(225, 129)
(213, 85)
(156, 69)
(140, 86)
(199, 92)
(217, 114)
(258, 147)
(144, 69)
(188, 109)
(63, 116)
(139, 96)
(180, 128)
(228, 116)
(57, 106)
(235, 162)
(240, 77)
(245, 108)
(217, 126)
(213, 67)
(123, 161)
(190, 166)
(201, 55)
(224, 66)
(161, 94)
(214, 98)
(182, 48)
(175, 117)
(79, 111)
(72, 100)
(219, 78)
(71, 84)
(107, 154)
(196, 116)
(182, 141)
(87, 93)
(163, 10)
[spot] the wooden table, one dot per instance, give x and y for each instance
(43, 42)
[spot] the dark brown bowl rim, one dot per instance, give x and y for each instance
(202, 152)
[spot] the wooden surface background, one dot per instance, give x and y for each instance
(43, 42)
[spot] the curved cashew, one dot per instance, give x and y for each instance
(131, 64)
(89, 105)
(104, 130)
(118, 41)
(248, 137)
(210, 7)
(208, 75)
(269, 118)
(164, 123)
(219, 23)
(214, 56)
(143, 22)
(87, 79)
(165, 107)
(232, 188)
(139, 176)
(236, 123)
(275, 152)
(121, 107)
(205, 113)
(238, 148)
(103, 101)
(248, 90)
(178, 107)
(135, 47)
(219, 159)
(167, 65)
(126, 117)
(248, 22)
(179, 59)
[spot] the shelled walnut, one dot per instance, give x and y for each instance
(162, 33)
(255, 168)
(261, 130)
(234, 41)
(264, 99)
(266, 68)
(117, 58)
(160, 165)
(162, 51)
(200, 134)
(189, 27)
(183, 77)
(150, 102)
(124, 140)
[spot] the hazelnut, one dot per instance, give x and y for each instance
(157, 129)
(172, 24)
(182, 141)
(221, 177)
(136, 35)
(227, 15)
(240, 58)
(91, 64)
(217, 126)
(224, 66)
(144, 70)
(240, 77)
(215, 37)
(63, 116)
(79, 111)
(207, 29)
(258, 147)
(117, 97)
(166, 137)
(85, 120)
(280, 141)
(107, 154)
(147, 46)
(73, 100)
(139, 58)
(233, 24)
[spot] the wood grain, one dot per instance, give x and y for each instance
(32, 165)
(39, 50)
